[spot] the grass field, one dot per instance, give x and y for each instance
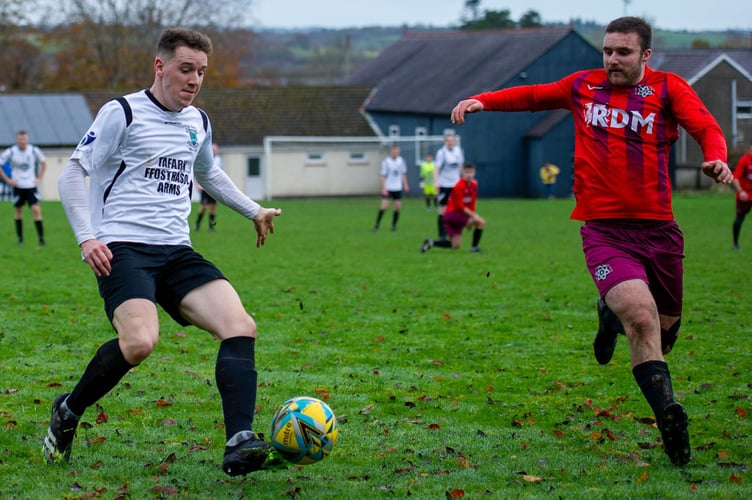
(452, 374)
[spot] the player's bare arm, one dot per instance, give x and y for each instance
(264, 222)
(718, 170)
(463, 107)
(98, 255)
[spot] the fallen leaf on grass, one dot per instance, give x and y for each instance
(735, 479)
(643, 477)
(741, 412)
(532, 479)
(723, 454)
(458, 493)
(162, 402)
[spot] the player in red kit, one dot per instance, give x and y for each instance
(743, 186)
(626, 118)
(460, 214)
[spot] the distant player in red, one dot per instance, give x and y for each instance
(743, 186)
(626, 119)
(460, 214)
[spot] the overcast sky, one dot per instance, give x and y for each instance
(691, 15)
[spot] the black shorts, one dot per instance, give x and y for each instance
(394, 195)
(443, 197)
(24, 195)
(206, 199)
(163, 274)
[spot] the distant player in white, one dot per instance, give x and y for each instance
(393, 182)
(27, 163)
(207, 201)
(448, 161)
(131, 223)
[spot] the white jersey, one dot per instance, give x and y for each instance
(141, 172)
(23, 164)
(392, 169)
(448, 163)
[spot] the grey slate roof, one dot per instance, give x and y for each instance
(689, 63)
(52, 120)
(481, 60)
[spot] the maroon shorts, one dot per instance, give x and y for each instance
(455, 222)
(651, 251)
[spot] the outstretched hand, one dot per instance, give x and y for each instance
(463, 107)
(264, 222)
(718, 170)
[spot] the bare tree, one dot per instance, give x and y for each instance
(20, 56)
(110, 43)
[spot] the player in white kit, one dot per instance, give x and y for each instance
(141, 154)
(27, 163)
(448, 161)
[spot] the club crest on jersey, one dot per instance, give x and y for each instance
(88, 139)
(192, 137)
(602, 272)
(644, 91)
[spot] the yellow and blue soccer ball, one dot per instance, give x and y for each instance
(304, 430)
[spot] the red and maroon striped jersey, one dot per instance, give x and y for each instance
(464, 195)
(623, 136)
(743, 173)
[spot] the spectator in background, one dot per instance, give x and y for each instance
(548, 173)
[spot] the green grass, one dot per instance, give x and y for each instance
(451, 373)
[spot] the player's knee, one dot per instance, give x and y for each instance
(135, 350)
(242, 326)
(669, 336)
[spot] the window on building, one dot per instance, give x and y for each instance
(394, 130)
(253, 167)
(357, 159)
(315, 160)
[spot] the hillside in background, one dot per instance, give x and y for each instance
(326, 56)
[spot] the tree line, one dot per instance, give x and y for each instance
(75, 45)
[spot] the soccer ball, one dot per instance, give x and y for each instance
(304, 430)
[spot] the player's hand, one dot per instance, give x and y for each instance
(718, 171)
(98, 255)
(743, 196)
(264, 222)
(463, 107)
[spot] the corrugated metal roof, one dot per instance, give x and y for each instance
(50, 119)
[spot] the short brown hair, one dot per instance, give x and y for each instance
(172, 38)
(629, 24)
